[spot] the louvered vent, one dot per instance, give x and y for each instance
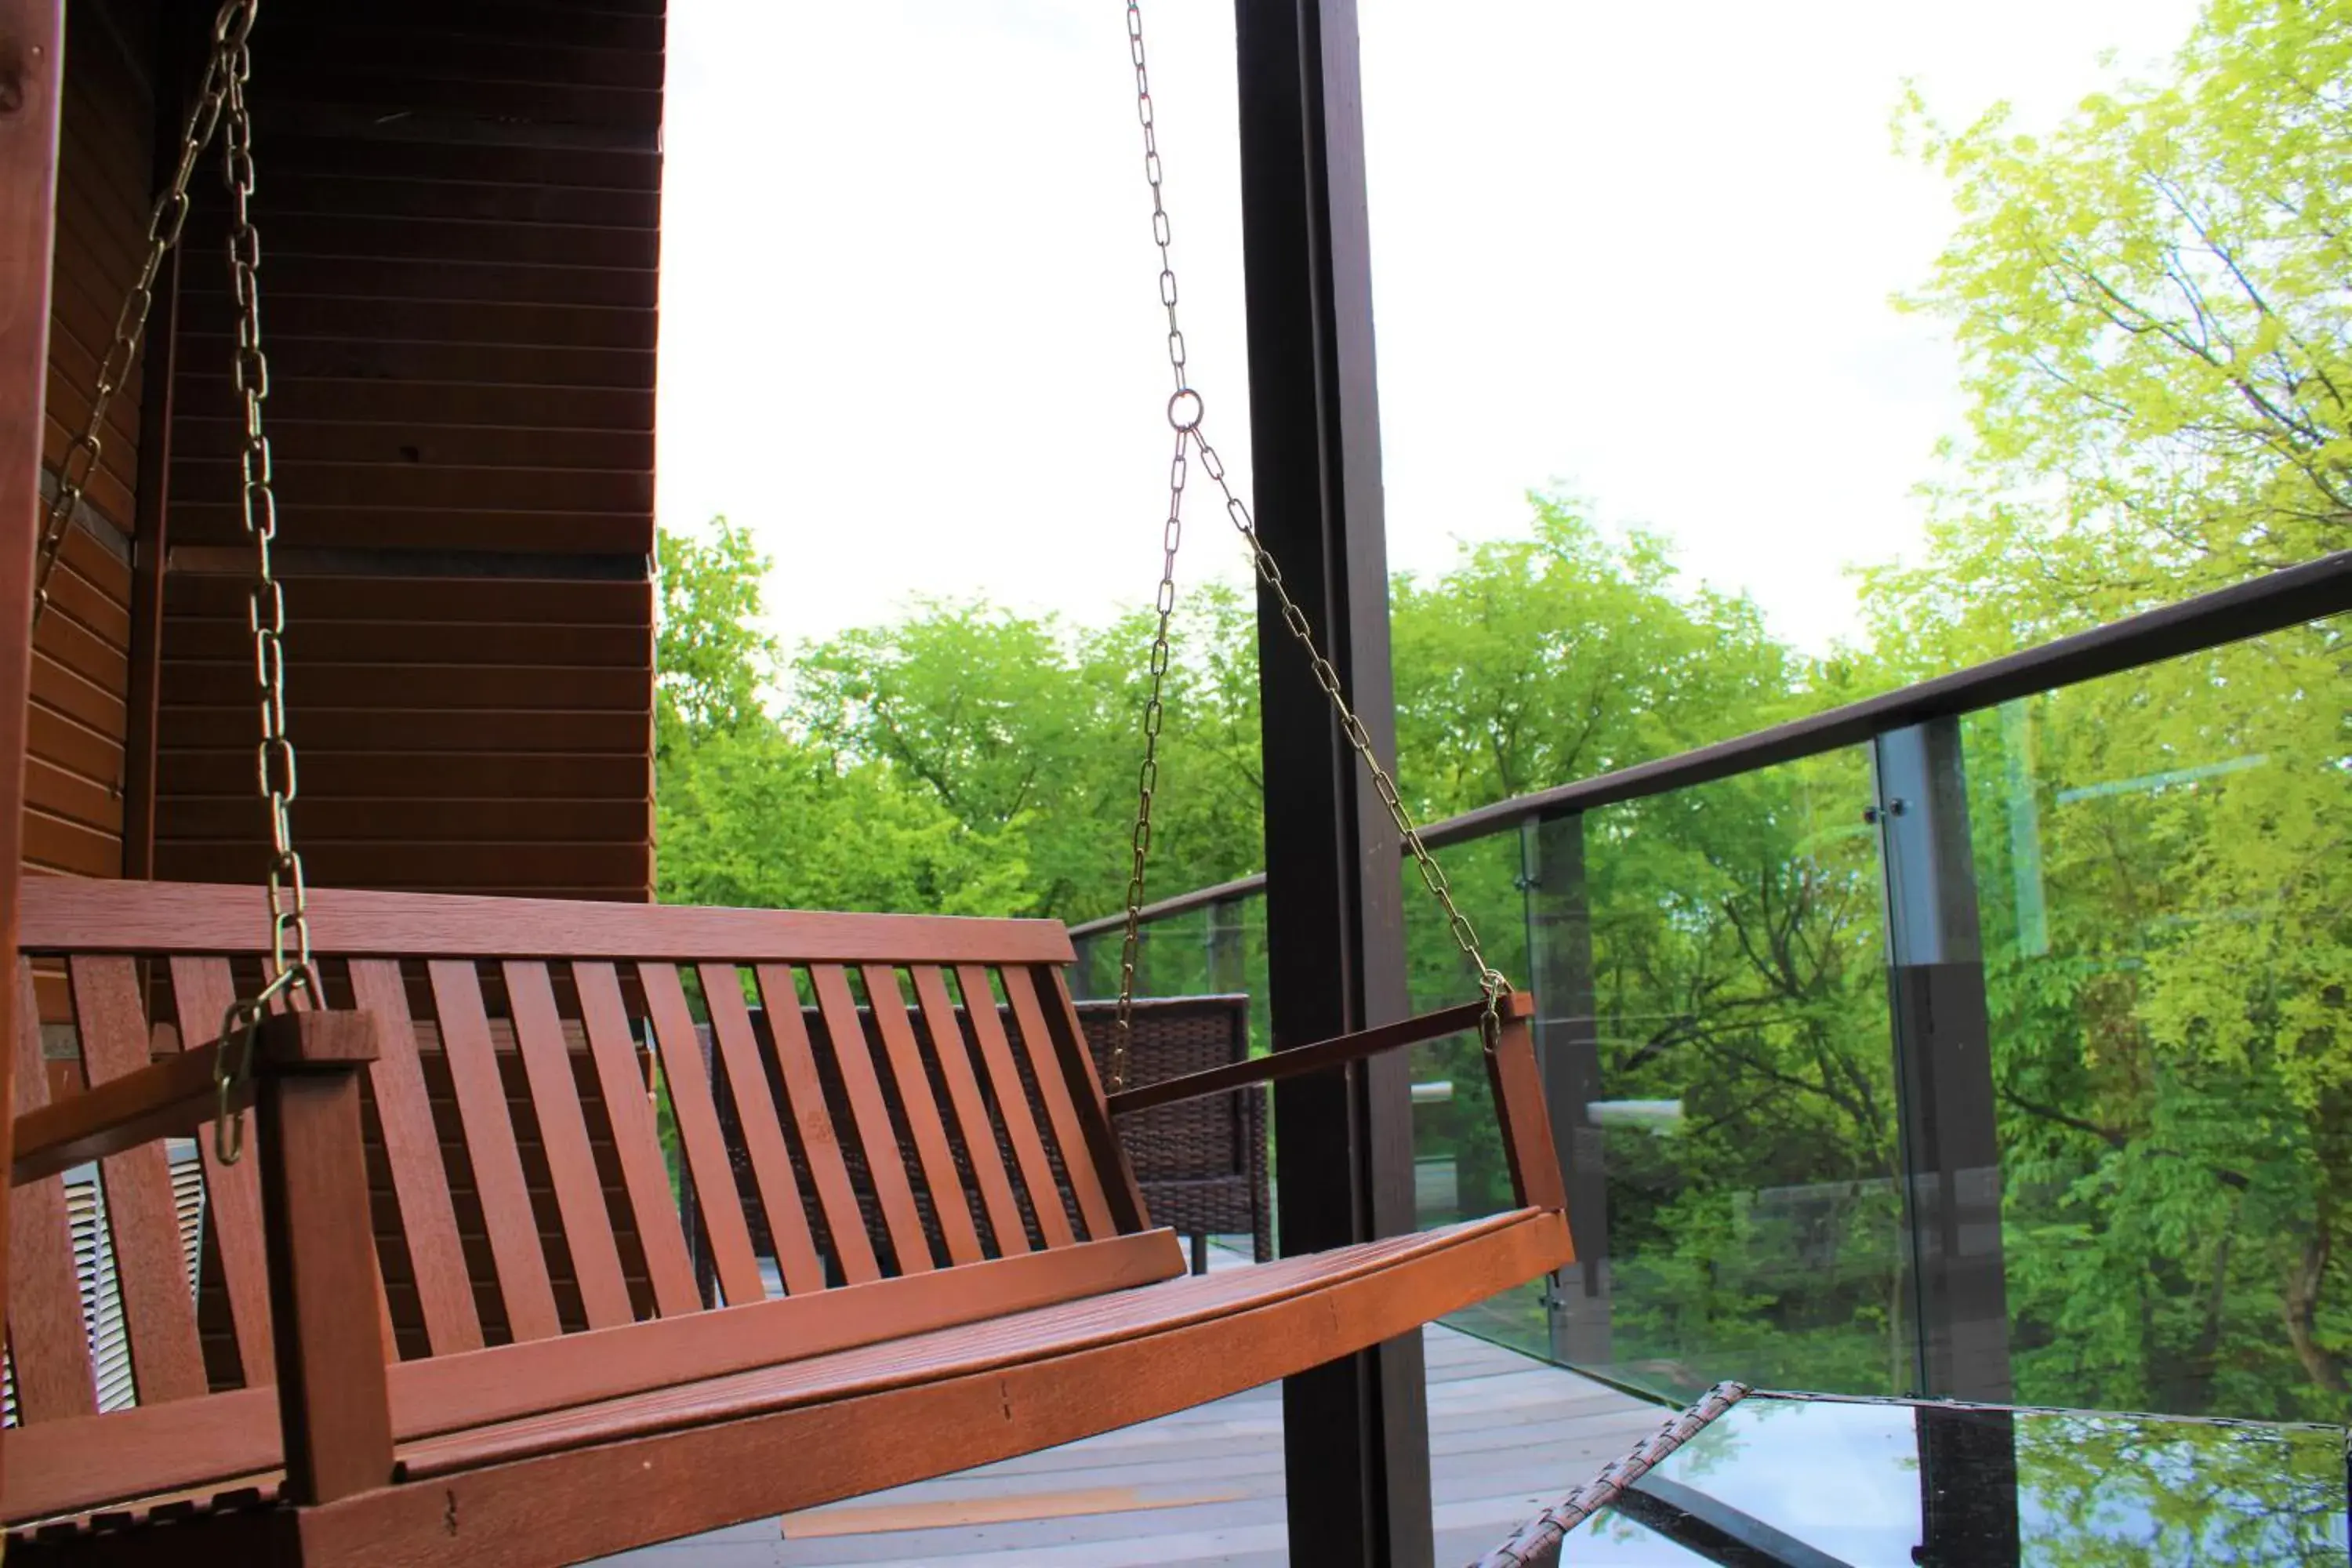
(101, 1292)
(188, 1199)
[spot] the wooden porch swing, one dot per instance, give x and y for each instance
(478, 1339)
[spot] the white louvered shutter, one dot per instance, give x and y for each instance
(101, 1289)
(188, 1200)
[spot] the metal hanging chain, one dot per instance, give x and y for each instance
(1186, 411)
(1183, 413)
(1491, 980)
(163, 226)
(291, 979)
(1147, 781)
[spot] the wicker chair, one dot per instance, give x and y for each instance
(1201, 1163)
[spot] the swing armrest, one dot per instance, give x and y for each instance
(1516, 1008)
(1527, 1146)
(177, 1097)
(327, 1330)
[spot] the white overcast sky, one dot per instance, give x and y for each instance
(1641, 252)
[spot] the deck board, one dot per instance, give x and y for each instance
(1507, 1433)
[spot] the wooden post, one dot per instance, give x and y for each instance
(183, 40)
(1518, 1089)
(148, 547)
(32, 61)
(1355, 1432)
(332, 1394)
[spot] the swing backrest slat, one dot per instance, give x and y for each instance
(142, 1219)
(48, 1349)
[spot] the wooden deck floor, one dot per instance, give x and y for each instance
(1204, 1486)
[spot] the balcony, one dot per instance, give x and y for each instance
(1932, 1076)
(1946, 1045)
(1857, 1063)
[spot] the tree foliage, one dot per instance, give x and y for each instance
(713, 659)
(1564, 654)
(2151, 302)
(1027, 729)
(749, 812)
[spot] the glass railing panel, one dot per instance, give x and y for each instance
(2164, 883)
(1458, 1165)
(1217, 951)
(1712, 961)
(1172, 957)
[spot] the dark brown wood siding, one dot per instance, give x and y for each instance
(460, 211)
(80, 681)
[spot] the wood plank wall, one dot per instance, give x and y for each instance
(459, 203)
(74, 764)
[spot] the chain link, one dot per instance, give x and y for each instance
(1160, 234)
(1184, 409)
(1491, 981)
(291, 979)
(1147, 782)
(164, 222)
(1186, 412)
(219, 99)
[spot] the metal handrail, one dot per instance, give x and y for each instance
(2310, 592)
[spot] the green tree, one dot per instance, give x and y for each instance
(2152, 311)
(1018, 724)
(2150, 303)
(712, 662)
(760, 819)
(749, 813)
(1538, 660)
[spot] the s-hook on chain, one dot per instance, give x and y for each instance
(165, 223)
(290, 978)
(1185, 413)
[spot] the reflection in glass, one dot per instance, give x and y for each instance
(2161, 856)
(1711, 963)
(1866, 1483)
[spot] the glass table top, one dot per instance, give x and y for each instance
(1809, 1482)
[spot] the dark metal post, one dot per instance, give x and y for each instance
(1943, 1062)
(1355, 1432)
(1568, 1052)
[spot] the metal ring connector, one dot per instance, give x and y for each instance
(1184, 409)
